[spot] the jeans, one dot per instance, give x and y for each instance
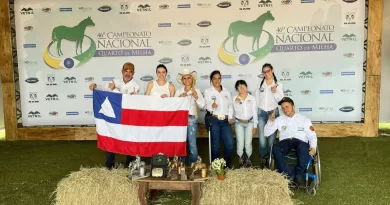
(110, 160)
(221, 129)
(192, 130)
(282, 148)
(244, 138)
(265, 143)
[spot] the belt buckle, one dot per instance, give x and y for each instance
(221, 117)
(244, 121)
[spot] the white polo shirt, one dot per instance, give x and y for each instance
(246, 109)
(223, 99)
(266, 99)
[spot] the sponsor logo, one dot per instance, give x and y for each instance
(204, 5)
(32, 80)
(305, 109)
(244, 76)
(164, 25)
(46, 10)
(348, 55)
(350, 18)
(165, 43)
(326, 91)
(348, 73)
(307, 74)
(33, 97)
(349, 1)
(261, 75)
(184, 24)
(165, 60)
(287, 93)
(204, 41)
(52, 97)
(65, 9)
(347, 109)
(327, 74)
(347, 91)
(204, 24)
(30, 62)
(224, 4)
(184, 42)
(329, 1)
(244, 5)
(29, 45)
(83, 8)
(285, 75)
(124, 8)
(107, 78)
(70, 80)
(33, 114)
(72, 113)
(145, 7)
(71, 96)
(28, 28)
(286, 2)
(147, 78)
(88, 96)
(51, 80)
(27, 11)
(89, 79)
(326, 109)
(349, 37)
(164, 6)
(104, 8)
(204, 77)
(204, 60)
(185, 59)
(226, 76)
(89, 112)
(305, 92)
(307, 1)
(53, 113)
(265, 3)
(183, 6)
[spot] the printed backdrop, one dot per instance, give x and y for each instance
(315, 46)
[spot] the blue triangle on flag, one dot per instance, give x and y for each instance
(107, 106)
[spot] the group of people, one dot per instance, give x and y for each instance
(249, 114)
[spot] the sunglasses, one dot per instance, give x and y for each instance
(266, 71)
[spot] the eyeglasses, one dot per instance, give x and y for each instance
(267, 71)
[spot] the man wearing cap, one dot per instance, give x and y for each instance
(188, 79)
(296, 132)
(125, 85)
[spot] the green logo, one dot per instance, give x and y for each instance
(76, 34)
(252, 29)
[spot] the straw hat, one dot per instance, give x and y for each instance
(185, 72)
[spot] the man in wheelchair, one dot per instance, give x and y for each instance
(296, 132)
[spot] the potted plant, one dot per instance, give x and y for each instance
(218, 166)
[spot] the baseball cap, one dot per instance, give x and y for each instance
(286, 99)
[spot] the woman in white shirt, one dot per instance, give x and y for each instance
(268, 94)
(160, 87)
(188, 79)
(220, 115)
(245, 113)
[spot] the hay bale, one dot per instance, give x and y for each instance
(97, 186)
(247, 187)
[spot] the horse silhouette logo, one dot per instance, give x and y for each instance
(252, 29)
(74, 34)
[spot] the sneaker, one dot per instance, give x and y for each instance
(241, 161)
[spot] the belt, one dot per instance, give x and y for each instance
(221, 117)
(244, 121)
(191, 116)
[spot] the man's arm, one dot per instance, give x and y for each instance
(311, 134)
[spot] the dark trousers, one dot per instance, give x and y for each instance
(110, 160)
(221, 129)
(282, 148)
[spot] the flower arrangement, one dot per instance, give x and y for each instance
(218, 165)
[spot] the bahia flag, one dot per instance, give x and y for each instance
(140, 125)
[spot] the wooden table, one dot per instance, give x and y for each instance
(150, 183)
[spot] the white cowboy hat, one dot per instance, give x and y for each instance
(185, 72)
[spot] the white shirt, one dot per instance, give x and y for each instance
(122, 87)
(160, 90)
(200, 102)
(298, 127)
(223, 99)
(246, 109)
(266, 99)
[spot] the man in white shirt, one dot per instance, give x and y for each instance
(296, 132)
(125, 85)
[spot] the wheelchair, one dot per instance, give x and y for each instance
(312, 170)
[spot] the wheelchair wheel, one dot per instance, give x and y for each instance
(317, 168)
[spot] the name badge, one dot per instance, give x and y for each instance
(284, 128)
(301, 129)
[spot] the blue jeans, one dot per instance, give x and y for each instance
(192, 129)
(265, 143)
(282, 148)
(244, 138)
(221, 129)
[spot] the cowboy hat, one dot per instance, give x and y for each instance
(185, 72)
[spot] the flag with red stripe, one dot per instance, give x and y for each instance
(141, 125)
